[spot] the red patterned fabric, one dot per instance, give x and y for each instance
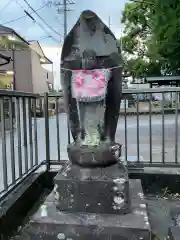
(89, 84)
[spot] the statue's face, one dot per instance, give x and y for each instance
(89, 59)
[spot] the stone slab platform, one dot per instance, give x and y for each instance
(174, 233)
(49, 224)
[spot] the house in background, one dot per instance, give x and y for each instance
(25, 72)
(38, 59)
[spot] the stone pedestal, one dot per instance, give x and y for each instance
(104, 191)
(51, 224)
(104, 155)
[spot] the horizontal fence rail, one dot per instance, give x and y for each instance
(34, 130)
(151, 90)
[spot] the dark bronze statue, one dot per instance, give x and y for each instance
(91, 76)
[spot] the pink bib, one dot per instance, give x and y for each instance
(90, 85)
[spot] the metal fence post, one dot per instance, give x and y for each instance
(47, 140)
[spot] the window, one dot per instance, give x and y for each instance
(50, 86)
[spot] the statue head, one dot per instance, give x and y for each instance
(91, 77)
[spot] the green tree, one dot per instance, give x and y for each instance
(135, 18)
(136, 68)
(166, 33)
(152, 30)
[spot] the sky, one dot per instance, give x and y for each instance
(51, 39)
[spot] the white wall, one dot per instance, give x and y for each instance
(54, 54)
(39, 75)
(48, 75)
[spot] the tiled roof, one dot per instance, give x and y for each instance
(5, 30)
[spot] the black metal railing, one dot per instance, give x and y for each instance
(148, 128)
(34, 131)
(18, 138)
(156, 128)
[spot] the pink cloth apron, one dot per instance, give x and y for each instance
(90, 85)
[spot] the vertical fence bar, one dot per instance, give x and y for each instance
(68, 126)
(47, 140)
(3, 136)
(35, 133)
(137, 114)
(40, 105)
(30, 131)
(163, 130)
(11, 126)
(57, 127)
(125, 125)
(150, 127)
(19, 136)
(176, 128)
(25, 143)
(68, 116)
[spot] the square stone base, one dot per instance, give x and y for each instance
(49, 224)
(100, 190)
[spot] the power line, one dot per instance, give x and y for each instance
(24, 16)
(41, 38)
(41, 18)
(44, 37)
(31, 17)
(42, 27)
(7, 4)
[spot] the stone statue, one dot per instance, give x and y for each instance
(91, 77)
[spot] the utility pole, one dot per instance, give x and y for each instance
(121, 43)
(65, 17)
(62, 7)
(109, 22)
